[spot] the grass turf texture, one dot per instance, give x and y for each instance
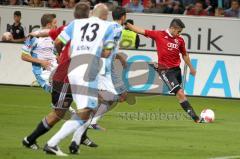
(23, 107)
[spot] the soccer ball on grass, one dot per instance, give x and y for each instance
(208, 115)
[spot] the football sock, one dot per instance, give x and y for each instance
(188, 108)
(68, 127)
(80, 133)
(103, 108)
(41, 129)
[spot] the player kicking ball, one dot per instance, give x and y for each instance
(170, 45)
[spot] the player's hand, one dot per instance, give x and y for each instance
(193, 71)
(46, 64)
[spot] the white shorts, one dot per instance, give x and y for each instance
(84, 92)
(106, 89)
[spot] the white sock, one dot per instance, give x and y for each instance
(68, 127)
(79, 132)
(103, 108)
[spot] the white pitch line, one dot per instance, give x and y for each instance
(226, 157)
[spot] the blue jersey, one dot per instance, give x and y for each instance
(110, 70)
(89, 37)
(41, 48)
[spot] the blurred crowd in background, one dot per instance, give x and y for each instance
(222, 8)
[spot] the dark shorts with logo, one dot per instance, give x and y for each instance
(61, 95)
(172, 78)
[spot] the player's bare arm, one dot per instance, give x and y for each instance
(135, 28)
(43, 63)
(121, 58)
(186, 59)
(41, 33)
(58, 45)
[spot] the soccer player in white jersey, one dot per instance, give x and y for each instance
(61, 94)
(110, 86)
(40, 52)
(91, 39)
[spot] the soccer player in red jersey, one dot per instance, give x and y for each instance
(169, 47)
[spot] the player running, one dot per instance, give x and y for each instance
(87, 46)
(169, 47)
(111, 87)
(59, 82)
(40, 52)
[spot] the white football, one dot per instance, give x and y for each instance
(208, 115)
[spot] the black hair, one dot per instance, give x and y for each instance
(130, 21)
(118, 13)
(17, 13)
(176, 22)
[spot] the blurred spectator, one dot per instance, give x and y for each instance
(14, 2)
(3, 2)
(172, 7)
(54, 3)
(234, 11)
(197, 10)
(35, 3)
(69, 3)
(177, 8)
(219, 12)
(152, 7)
(187, 3)
(89, 2)
(16, 29)
(134, 6)
(130, 39)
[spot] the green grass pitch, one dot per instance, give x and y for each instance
(126, 138)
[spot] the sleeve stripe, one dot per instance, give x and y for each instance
(25, 52)
(62, 39)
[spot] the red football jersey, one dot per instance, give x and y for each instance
(64, 59)
(169, 48)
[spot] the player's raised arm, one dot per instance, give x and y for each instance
(41, 33)
(135, 28)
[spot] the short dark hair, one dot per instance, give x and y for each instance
(17, 13)
(47, 18)
(130, 21)
(118, 13)
(81, 10)
(176, 22)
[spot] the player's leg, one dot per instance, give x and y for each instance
(68, 127)
(183, 99)
(86, 100)
(58, 98)
(173, 80)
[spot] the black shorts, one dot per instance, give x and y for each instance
(172, 78)
(61, 95)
